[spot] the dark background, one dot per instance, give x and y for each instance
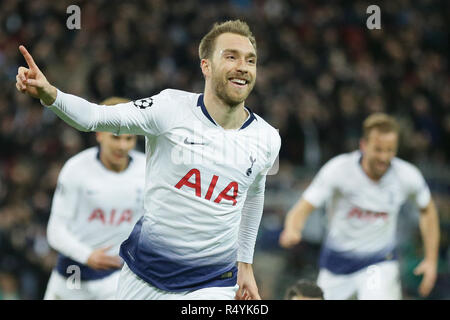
(320, 73)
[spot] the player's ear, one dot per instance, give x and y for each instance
(362, 144)
(98, 136)
(205, 65)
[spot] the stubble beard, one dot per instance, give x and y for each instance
(378, 173)
(220, 86)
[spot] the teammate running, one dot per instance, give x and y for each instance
(97, 202)
(363, 192)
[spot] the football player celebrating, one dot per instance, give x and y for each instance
(205, 180)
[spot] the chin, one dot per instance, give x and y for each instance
(237, 99)
(231, 100)
(380, 173)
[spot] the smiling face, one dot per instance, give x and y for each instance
(114, 149)
(231, 71)
(378, 150)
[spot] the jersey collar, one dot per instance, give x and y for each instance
(201, 104)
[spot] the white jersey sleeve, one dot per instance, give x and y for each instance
(416, 185)
(146, 116)
(252, 211)
(323, 184)
(63, 211)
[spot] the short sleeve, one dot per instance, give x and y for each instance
(323, 185)
(418, 188)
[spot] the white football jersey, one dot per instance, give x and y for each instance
(362, 213)
(97, 206)
(198, 177)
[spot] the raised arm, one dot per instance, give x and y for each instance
(33, 82)
(144, 116)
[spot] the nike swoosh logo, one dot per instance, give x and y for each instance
(191, 142)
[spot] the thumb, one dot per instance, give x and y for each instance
(419, 269)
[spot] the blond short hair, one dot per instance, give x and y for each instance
(207, 44)
(114, 100)
(381, 122)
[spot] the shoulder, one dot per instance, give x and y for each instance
(78, 163)
(138, 157)
(405, 170)
(336, 170)
(82, 158)
(342, 162)
(177, 96)
(169, 104)
(269, 132)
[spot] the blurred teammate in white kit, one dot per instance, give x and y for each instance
(96, 204)
(363, 192)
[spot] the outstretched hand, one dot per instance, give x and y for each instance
(33, 82)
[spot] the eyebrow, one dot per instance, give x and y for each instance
(248, 55)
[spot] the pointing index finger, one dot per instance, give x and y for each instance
(28, 57)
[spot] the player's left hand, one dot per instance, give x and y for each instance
(248, 290)
(429, 271)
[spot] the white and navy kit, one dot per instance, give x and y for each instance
(363, 213)
(362, 225)
(204, 190)
(93, 207)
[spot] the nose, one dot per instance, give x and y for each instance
(384, 156)
(123, 145)
(242, 66)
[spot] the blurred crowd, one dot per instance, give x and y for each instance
(320, 73)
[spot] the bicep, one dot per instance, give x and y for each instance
(305, 206)
(430, 207)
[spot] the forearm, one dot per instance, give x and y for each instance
(296, 217)
(248, 230)
(245, 267)
(84, 115)
(63, 241)
(429, 227)
(48, 96)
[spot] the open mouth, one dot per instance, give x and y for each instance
(118, 155)
(382, 165)
(240, 83)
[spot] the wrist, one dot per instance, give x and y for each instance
(292, 229)
(49, 96)
(431, 259)
(244, 265)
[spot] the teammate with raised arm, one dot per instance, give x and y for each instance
(363, 192)
(205, 180)
(97, 202)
